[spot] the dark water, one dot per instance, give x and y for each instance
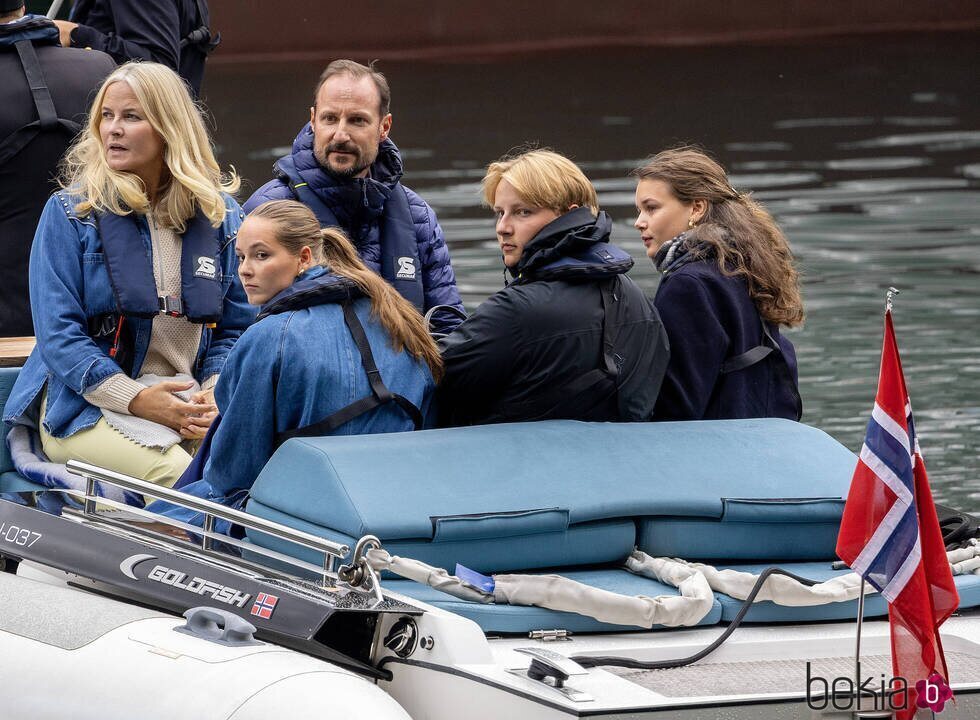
(867, 152)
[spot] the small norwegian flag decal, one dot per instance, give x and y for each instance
(264, 605)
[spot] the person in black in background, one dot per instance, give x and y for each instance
(36, 128)
(174, 33)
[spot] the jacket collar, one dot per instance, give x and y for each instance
(354, 201)
(36, 28)
(574, 245)
(316, 286)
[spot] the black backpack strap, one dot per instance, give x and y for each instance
(380, 394)
(753, 355)
(46, 113)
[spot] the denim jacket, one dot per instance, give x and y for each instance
(69, 286)
(294, 368)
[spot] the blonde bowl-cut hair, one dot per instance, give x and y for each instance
(295, 227)
(735, 229)
(542, 178)
(192, 179)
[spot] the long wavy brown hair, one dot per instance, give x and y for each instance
(296, 227)
(734, 229)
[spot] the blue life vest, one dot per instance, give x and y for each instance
(400, 264)
(130, 269)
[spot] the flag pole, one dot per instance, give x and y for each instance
(892, 291)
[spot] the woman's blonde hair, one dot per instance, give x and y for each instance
(736, 229)
(542, 178)
(296, 227)
(192, 176)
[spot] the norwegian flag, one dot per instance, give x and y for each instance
(890, 534)
(264, 605)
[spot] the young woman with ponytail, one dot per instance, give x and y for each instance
(729, 282)
(325, 320)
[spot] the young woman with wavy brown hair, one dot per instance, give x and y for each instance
(729, 281)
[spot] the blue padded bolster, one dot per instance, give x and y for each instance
(522, 619)
(711, 540)
(391, 485)
(782, 510)
(7, 378)
(499, 525)
(968, 587)
(587, 543)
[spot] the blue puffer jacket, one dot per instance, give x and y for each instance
(70, 286)
(359, 206)
(295, 366)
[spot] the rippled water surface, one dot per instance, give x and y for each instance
(867, 152)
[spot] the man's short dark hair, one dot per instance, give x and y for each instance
(357, 71)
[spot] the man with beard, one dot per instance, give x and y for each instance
(345, 168)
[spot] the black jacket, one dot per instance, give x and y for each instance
(26, 179)
(535, 350)
(711, 319)
(145, 30)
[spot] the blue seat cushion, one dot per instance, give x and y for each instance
(521, 619)
(749, 529)
(7, 377)
(514, 496)
(11, 482)
(968, 587)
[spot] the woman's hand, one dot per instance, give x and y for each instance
(196, 427)
(159, 404)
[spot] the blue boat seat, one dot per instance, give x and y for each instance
(519, 496)
(10, 482)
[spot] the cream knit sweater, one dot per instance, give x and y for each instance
(173, 341)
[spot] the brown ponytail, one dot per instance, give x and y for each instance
(296, 227)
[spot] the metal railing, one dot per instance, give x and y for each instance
(332, 551)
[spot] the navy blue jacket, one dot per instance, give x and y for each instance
(141, 30)
(523, 353)
(710, 318)
(359, 206)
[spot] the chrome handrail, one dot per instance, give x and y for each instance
(332, 551)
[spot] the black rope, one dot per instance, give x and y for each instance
(611, 661)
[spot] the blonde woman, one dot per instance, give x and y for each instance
(729, 282)
(335, 351)
(133, 280)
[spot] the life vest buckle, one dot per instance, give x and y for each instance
(171, 305)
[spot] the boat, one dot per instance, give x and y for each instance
(583, 510)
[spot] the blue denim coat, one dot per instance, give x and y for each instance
(69, 285)
(292, 369)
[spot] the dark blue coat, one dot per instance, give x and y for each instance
(359, 206)
(141, 30)
(710, 318)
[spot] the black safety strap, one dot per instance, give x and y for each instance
(47, 115)
(380, 394)
(753, 355)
